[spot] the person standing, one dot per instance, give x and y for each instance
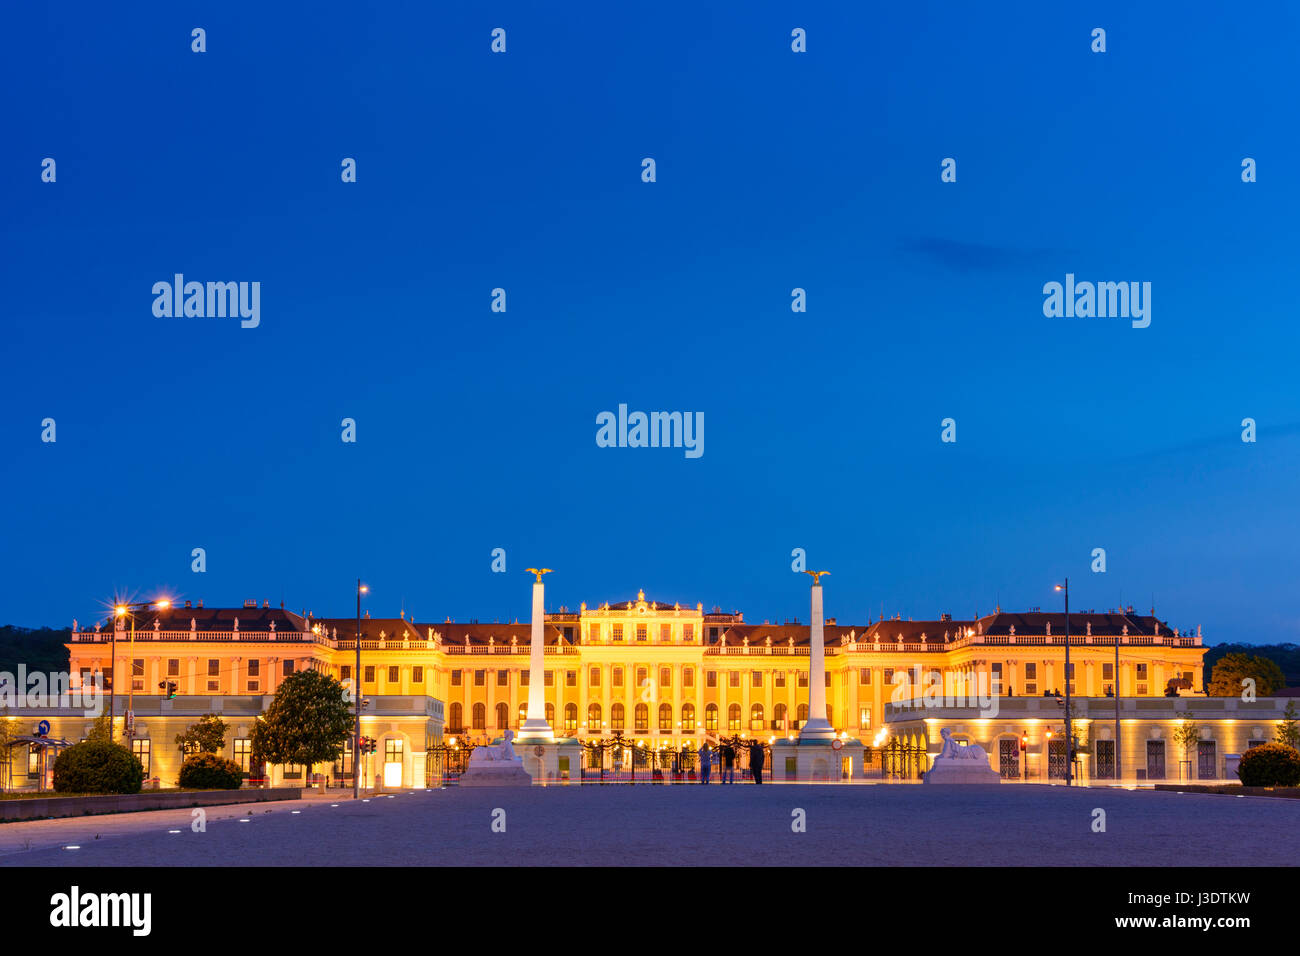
(756, 761)
(706, 763)
(728, 763)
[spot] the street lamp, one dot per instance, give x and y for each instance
(127, 610)
(356, 698)
(1069, 724)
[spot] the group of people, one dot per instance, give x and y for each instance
(726, 757)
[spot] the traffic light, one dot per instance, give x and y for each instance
(168, 687)
(368, 745)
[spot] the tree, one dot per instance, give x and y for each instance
(1187, 733)
(307, 722)
(1270, 765)
(1287, 731)
(1231, 669)
(10, 728)
(205, 736)
(101, 729)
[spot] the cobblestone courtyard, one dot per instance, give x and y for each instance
(690, 825)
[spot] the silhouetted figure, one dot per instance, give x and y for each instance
(728, 764)
(756, 761)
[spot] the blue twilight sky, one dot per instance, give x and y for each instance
(775, 170)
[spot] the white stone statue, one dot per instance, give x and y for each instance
(952, 749)
(496, 753)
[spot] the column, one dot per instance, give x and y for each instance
(818, 727)
(535, 725)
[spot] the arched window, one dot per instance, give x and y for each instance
(665, 718)
(522, 715)
(778, 716)
(801, 716)
(457, 717)
(733, 717)
(616, 717)
(688, 718)
(642, 716)
(593, 718)
(711, 717)
(550, 714)
(570, 717)
(503, 716)
(480, 717)
(756, 717)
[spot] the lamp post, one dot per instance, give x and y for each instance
(356, 699)
(1069, 724)
(1117, 740)
(128, 610)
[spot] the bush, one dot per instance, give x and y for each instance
(210, 772)
(97, 766)
(1270, 765)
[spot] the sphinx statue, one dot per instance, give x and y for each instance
(492, 753)
(496, 765)
(961, 764)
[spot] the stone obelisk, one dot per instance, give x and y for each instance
(817, 727)
(535, 727)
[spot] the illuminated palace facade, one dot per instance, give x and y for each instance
(665, 674)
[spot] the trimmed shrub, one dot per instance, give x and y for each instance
(97, 766)
(1270, 765)
(210, 772)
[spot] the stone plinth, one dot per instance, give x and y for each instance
(496, 773)
(956, 770)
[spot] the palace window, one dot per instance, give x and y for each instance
(641, 633)
(864, 675)
(1141, 677)
(140, 747)
(1070, 672)
(455, 678)
(503, 678)
(995, 670)
(345, 672)
(214, 667)
(417, 675)
(570, 717)
(803, 678)
(688, 676)
(570, 678)
(480, 678)
(711, 717)
(616, 717)
(550, 714)
(456, 719)
(593, 634)
(524, 677)
(254, 668)
(828, 678)
(733, 678)
(522, 714)
(1107, 671)
(618, 677)
(889, 677)
(801, 716)
(593, 718)
(756, 679)
(369, 677)
(568, 634)
(710, 678)
(503, 715)
(548, 678)
(480, 717)
(778, 679)
(688, 718)
(688, 633)
(864, 718)
(394, 675)
(778, 717)
(243, 752)
(174, 667)
(617, 633)
(640, 676)
(287, 669)
(137, 674)
(756, 717)
(665, 718)
(733, 717)
(665, 677)
(593, 677)
(665, 633)
(393, 750)
(642, 717)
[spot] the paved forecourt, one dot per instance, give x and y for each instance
(693, 825)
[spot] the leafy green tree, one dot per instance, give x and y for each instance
(307, 723)
(1231, 669)
(1287, 731)
(101, 729)
(206, 736)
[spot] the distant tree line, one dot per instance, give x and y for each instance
(1285, 656)
(39, 648)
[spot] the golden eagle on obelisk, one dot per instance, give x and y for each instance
(816, 576)
(539, 572)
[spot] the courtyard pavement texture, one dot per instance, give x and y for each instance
(889, 825)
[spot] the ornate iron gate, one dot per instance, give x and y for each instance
(1056, 759)
(1207, 767)
(1105, 769)
(1009, 759)
(1155, 760)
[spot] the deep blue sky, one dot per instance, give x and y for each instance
(775, 170)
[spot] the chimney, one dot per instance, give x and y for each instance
(367, 615)
(945, 617)
(200, 602)
(266, 604)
